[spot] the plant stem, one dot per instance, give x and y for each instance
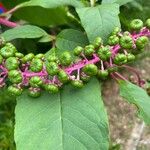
(8, 23)
(92, 3)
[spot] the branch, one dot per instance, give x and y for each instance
(8, 23)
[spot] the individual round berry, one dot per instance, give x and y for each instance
(39, 56)
(19, 55)
(52, 68)
(15, 91)
(15, 76)
(12, 63)
(147, 23)
(52, 88)
(141, 42)
(62, 76)
(35, 81)
(136, 25)
(89, 50)
(34, 92)
(8, 50)
(120, 59)
(102, 74)
(126, 42)
(65, 58)
(104, 53)
(52, 58)
(90, 69)
(77, 83)
(78, 50)
(36, 65)
(98, 42)
(113, 40)
(1, 59)
(27, 58)
(116, 31)
(130, 57)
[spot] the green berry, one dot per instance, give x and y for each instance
(126, 42)
(34, 93)
(1, 59)
(36, 65)
(63, 77)
(90, 69)
(89, 50)
(15, 76)
(12, 63)
(27, 57)
(77, 83)
(116, 31)
(104, 53)
(8, 51)
(2, 42)
(113, 40)
(136, 25)
(65, 58)
(98, 42)
(130, 57)
(52, 88)
(147, 23)
(15, 91)
(19, 55)
(120, 59)
(78, 50)
(52, 68)
(52, 58)
(102, 74)
(141, 42)
(39, 56)
(35, 81)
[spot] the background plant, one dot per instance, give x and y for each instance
(82, 108)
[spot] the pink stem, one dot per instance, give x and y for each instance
(8, 23)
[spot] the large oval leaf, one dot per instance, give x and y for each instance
(71, 120)
(26, 31)
(68, 39)
(100, 20)
(137, 96)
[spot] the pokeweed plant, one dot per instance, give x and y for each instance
(59, 102)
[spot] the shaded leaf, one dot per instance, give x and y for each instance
(73, 119)
(100, 20)
(68, 39)
(138, 96)
(120, 2)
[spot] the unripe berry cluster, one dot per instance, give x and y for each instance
(40, 72)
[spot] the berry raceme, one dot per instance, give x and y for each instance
(50, 73)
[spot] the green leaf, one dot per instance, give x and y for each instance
(26, 31)
(71, 120)
(100, 20)
(52, 3)
(120, 2)
(68, 39)
(137, 96)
